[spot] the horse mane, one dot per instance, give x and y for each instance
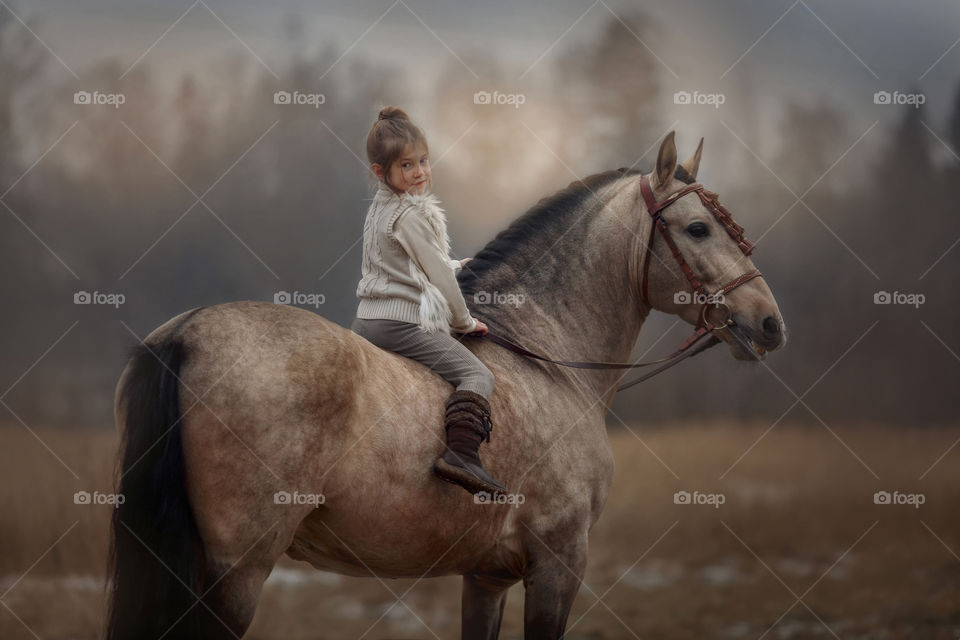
(545, 220)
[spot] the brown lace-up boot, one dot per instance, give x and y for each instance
(467, 423)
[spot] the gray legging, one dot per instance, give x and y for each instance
(439, 351)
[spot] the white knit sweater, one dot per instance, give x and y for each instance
(407, 272)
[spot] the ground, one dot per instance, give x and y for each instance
(797, 549)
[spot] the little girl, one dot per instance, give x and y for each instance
(409, 296)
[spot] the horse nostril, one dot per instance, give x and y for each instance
(771, 326)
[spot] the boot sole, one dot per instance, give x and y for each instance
(463, 478)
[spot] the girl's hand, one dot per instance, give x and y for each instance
(464, 262)
(481, 329)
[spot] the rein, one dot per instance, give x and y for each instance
(705, 329)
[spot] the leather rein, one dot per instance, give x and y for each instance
(695, 343)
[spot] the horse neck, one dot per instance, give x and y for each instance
(580, 299)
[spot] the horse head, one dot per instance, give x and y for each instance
(697, 261)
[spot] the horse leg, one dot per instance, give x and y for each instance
(231, 599)
(481, 608)
(550, 588)
(239, 560)
(241, 548)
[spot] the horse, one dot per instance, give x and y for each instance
(252, 430)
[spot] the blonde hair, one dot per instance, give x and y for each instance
(390, 136)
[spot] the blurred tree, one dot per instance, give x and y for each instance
(906, 163)
(811, 135)
(22, 59)
(191, 111)
(953, 125)
(609, 91)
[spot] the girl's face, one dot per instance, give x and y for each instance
(409, 173)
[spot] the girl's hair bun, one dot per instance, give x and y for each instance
(392, 113)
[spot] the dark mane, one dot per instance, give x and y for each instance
(547, 219)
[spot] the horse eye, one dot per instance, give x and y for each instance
(698, 230)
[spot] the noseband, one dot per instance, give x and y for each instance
(704, 326)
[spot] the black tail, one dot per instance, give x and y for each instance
(156, 554)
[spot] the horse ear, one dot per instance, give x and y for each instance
(666, 160)
(692, 164)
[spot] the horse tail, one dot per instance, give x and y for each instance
(156, 559)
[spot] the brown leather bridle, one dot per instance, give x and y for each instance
(711, 201)
(704, 327)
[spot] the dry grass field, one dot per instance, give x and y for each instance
(798, 549)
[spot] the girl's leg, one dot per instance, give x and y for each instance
(467, 411)
(439, 351)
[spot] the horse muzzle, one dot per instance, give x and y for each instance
(752, 341)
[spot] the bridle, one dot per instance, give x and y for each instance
(722, 215)
(704, 327)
